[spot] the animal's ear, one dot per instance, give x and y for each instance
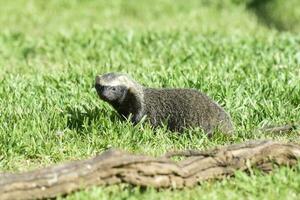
(131, 90)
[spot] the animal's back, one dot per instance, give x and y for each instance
(183, 108)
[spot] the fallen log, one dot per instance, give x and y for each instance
(114, 166)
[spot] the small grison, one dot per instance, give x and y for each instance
(177, 108)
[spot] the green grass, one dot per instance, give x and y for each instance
(51, 51)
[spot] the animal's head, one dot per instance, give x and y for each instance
(114, 87)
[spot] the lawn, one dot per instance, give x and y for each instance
(50, 52)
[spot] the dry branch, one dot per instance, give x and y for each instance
(281, 129)
(115, 166)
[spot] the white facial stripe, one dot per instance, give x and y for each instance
(121, 80)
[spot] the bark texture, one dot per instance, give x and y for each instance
(114, 166)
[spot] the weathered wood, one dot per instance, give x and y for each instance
(288, 128)
(115, 166)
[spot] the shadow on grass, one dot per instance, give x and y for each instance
(82, 117)
(278, 14)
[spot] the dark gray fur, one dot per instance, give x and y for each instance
(179, 108)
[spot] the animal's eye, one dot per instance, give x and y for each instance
(113, 88)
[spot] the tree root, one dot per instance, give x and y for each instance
(114, 166)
